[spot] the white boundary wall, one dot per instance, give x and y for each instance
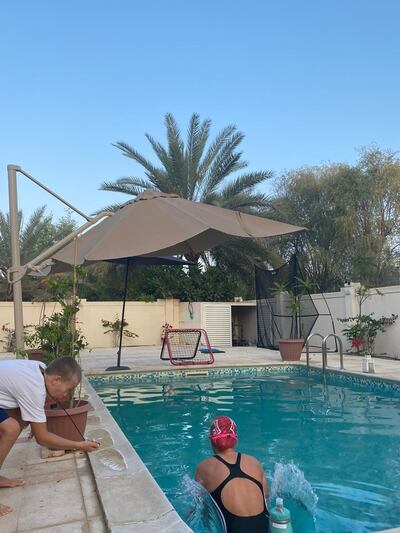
(147, 318)
(144, 318)
(344, 304)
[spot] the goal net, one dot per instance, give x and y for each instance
(187, 347)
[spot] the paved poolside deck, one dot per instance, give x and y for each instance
(147, 358)
(60, 493)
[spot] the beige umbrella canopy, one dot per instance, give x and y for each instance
(161, 224)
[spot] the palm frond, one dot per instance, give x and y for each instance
(155, 175)
(161, 153)
(215, 148)
(225, 162)
(176, 155)
(131, 186)
(30, 232)
(191, 153)
(254, 203)
(222, 167)
(245, 182)
(111, 208)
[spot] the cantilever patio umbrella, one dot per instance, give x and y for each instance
(159, 224)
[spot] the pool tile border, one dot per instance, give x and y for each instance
(331, 376)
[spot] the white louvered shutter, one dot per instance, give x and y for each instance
(217, 323)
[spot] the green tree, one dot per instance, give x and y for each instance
(353, 216)
(36, 235)
(202, 171)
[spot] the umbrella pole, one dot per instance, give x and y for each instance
(121, 331)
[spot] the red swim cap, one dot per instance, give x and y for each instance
(223, 433)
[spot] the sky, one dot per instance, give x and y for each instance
(309, 82)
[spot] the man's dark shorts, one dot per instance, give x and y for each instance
(3, 415)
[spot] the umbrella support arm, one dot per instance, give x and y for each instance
(40, 262)
(37, 182)
(17, 271)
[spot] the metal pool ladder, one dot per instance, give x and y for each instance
(324, 349)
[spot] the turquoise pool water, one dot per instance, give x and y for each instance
(326, 440)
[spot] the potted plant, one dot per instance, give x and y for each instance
(361, 330)
(164, 328)
(289, 298)
(115, 327)
(57, 336)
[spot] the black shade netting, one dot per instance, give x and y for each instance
(285, 309)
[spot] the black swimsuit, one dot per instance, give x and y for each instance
(240, 524)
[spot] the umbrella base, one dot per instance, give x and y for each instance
(113, 368)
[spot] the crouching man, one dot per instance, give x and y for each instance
(23, 388)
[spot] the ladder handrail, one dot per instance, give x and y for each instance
(308, 347)
(325, 351)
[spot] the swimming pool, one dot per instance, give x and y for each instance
(341, 433)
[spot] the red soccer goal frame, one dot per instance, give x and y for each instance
(190, 359)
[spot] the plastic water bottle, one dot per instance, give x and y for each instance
(280, 520)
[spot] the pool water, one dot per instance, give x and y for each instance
(332, 451)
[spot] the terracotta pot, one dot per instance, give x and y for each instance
(36, 354)
(291, 349)
(58, 421)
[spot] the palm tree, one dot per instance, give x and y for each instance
(39, 233)
(199, 171)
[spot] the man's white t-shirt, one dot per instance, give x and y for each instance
(22, 385)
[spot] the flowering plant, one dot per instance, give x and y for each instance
(164, 328)
(361, 330)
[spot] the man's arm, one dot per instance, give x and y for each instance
(45, 438)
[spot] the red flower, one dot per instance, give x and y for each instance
(357, 343)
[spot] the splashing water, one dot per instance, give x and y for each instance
(289, 483)
(200, 512)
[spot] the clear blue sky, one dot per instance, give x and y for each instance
(307, 81)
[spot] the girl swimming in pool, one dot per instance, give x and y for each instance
(235, 481)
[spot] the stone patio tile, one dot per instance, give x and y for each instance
(47, 477)
(18, 455)
(131, 498)
(13, 472)
(51, 504)
(90, 497)
(168, 523)
(13, 498)
(49, 466)
(83, 467)
(96, 525)
(71, 527)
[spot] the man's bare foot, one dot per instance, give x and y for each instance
(6, 483)
(5, 509)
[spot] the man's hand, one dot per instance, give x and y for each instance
(89, 446)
